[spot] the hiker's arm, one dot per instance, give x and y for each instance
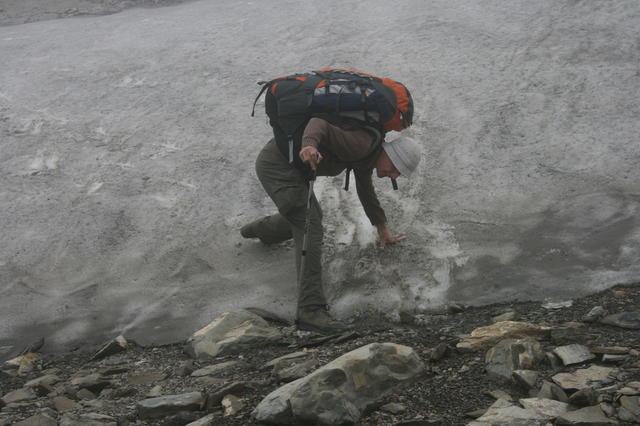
(346, 145)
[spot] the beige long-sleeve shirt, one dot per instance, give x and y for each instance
(342, 148)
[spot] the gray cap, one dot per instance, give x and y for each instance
(404, 153)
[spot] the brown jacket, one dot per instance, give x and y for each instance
(342, 148)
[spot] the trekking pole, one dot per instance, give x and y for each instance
(307, 225)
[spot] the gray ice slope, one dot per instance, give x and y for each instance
(126, 165)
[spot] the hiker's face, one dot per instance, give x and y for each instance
(385, 168)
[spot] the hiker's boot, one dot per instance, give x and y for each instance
(318, 320)
(269, 230)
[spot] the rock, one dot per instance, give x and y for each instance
(510, 355)
(123, 392)
(628, 391)
(92, 382)
(608, 409)
(23, 363)
(231, 332)
(507, 413)
(455, 308)
(19, 395)
(583, 378)
(525, 378)
(214, 399)
(117, 345)
(170, 404)
(205, 421)
(231, 404)
(145, 378)
(181, 418)
(546, 407)
(476, 413)
(614, 358)
(566, 335)
(212, 370)
(507, 316)
(623, 319)
(558, 304)
(291, 356)
(439, 352)
(553, 360)
(85, 394)
(485, 337)
(584, 398)
(584, 416)
(341, 390)
(46, 381)
(40, 419)
(90, 419)
(629, 410)
(594, 314)
(499, 394)
(154, 392)
(184, 369)
(552, 391)
(62, 403)
(288, 371)
(393, 408)
(610, 350)
(573, 354)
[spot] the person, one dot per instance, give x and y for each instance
(328, 149)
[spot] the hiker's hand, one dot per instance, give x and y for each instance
(311, 156)
(386, 237)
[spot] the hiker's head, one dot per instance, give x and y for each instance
(401, 156)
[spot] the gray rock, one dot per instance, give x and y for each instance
(629, 409)
(393, 408)
(546, 407)
(117, 345)
(507, 316)
(583, 378)
(145, 378)
(288, 371)
(499, 394)
(553, 360)
(510, 355)
(90, 419)
(62, 403)
(212, 370)
(566, 335)
(205, 421)
(214, 399)
(585, 416)
(291, 356)
(93, 382)
(19, 395)
(85, 394)
(552, 391)
(507, 413)
(594, 314)
(525, 378)
(610, 350)
(629, 320)
(439, 352)
(231, 404)
(185, 368)
(552, 305)
(46, 381)
(40, 419)
(231, 332)
(154, 392)
(573, 354)
(584, 398)
(614, 358)
(340, 391)
(170, 404)
(485, 337)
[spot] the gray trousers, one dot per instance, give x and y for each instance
(289, 191)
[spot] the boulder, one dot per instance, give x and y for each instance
(231, 332)
(623, 319)
(584, 417)
(545, 407)
(485, 337)
(170, 404)
(340, 391)
(510, 355)
(583, 378)
(573, 354)
(504, 412)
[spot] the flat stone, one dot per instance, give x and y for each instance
(40, 419)
(214, 399)
(288, 371)
(294, 355)
(546, 407)
(231, 405)
(19, 395)
(510, 355)
(594, 314)
(170, 404)
(525, 378)
(205, 421)
(62, 403)
(614, 358)
(550, 390)
(573, 354)
(583, 378)
(631, 404)
(629, 320)
(507, 413)
(145, 378)
(340, 391)
(85, 394)
(393, 408)
(584, 398)
(485, 337)
(584, 416)
(610, 350)
(232, 332)
(46, 381)
(117, 345)
(89, 419)
(499, 394)
(507, 316)
(93, 382)
(212, 370)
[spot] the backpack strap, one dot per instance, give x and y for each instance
(374, 149)
(265, 85)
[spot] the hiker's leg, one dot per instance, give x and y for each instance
(269, 229)
(288, 189)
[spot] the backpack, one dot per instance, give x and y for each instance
(338, 96)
